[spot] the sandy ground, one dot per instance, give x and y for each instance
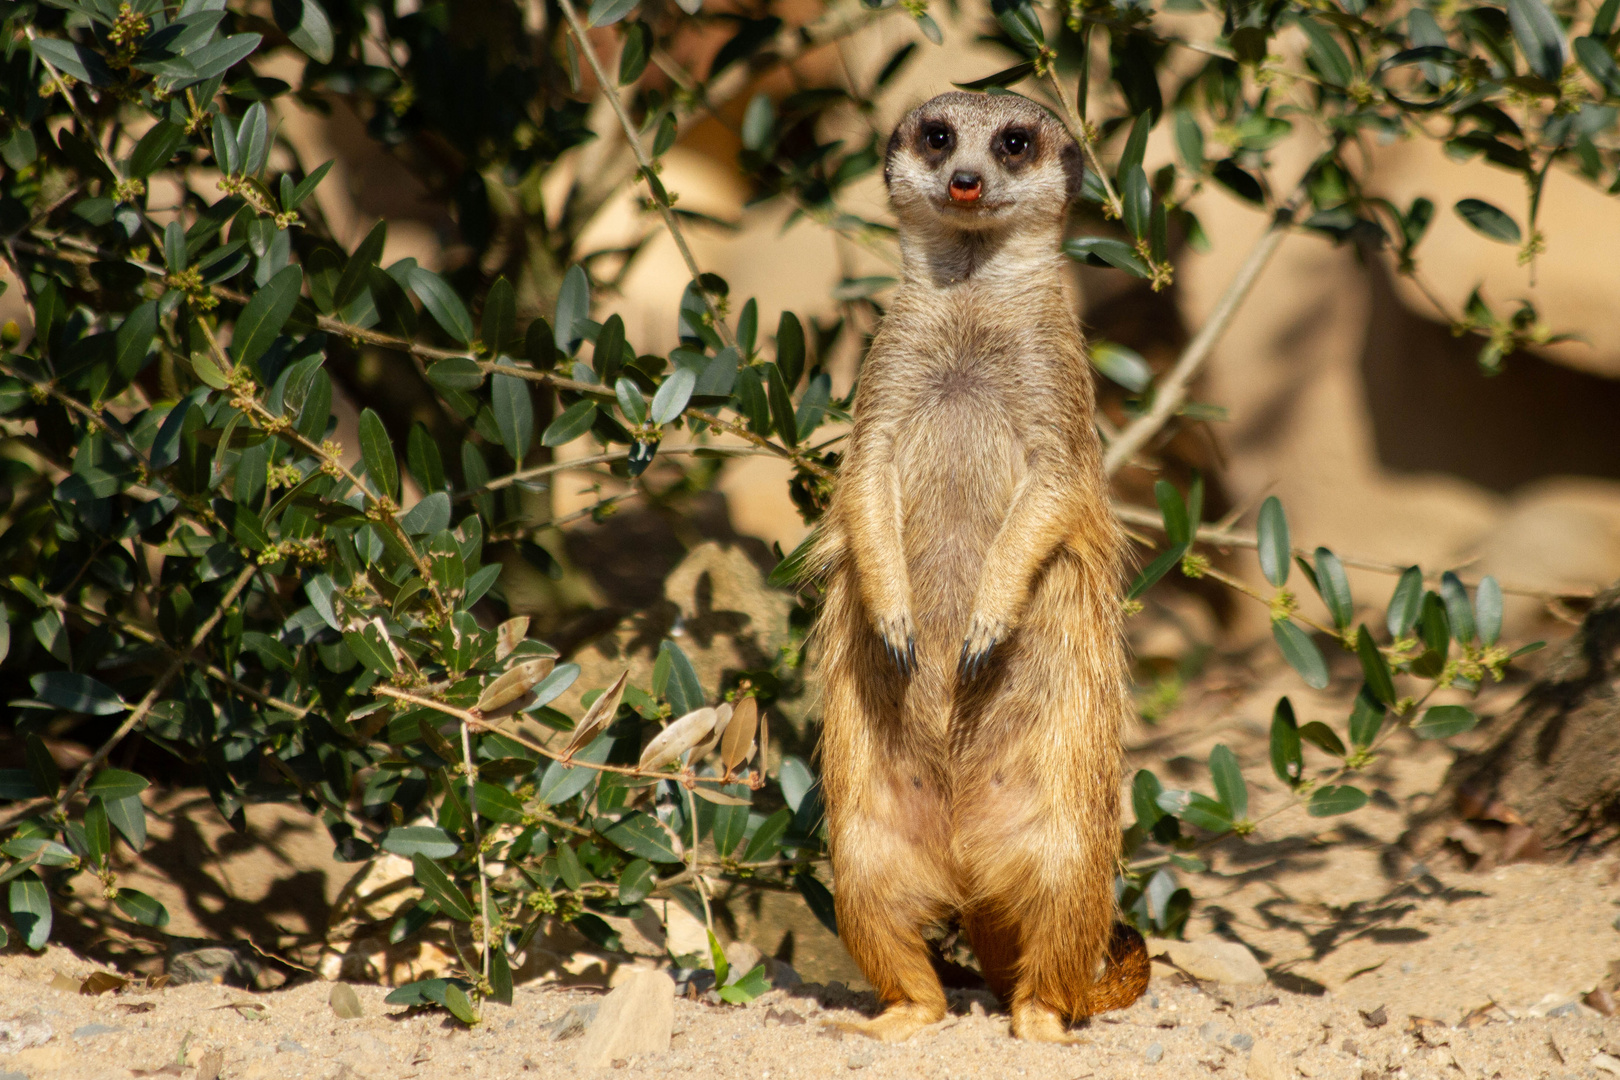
(1377, 966)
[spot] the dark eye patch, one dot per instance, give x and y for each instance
(1015, 143)
(936, 137)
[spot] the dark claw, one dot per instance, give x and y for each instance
(911, 655)
(972, 663)
(905, 660)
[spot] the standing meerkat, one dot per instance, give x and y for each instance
(973, 668)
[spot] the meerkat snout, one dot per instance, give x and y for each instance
(978, 162)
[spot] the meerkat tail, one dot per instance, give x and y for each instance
(1126, 976)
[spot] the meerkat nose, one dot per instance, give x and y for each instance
(966, 186)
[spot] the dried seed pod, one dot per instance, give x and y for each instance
(514, 684)
(508, 635)
(738, 744)
(678, 738)
(598, 716)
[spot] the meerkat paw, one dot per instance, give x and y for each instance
(899, 636)
(1038, 1023)
(897, 1023)
(984, 633)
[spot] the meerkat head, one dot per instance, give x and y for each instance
(966, 162)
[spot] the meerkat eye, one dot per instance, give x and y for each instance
(938, 138)
(1014, 142)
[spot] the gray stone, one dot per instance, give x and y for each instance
(21, 1032)
(1212, 959)
(197, 960)
(289, 1046)
(781, 974)
(1243, 1042)
(13, 1076)
(90, 1031)
(1210, 1031)
(861, 1058)
(1153, 1053)
(637, 1017)
(573, 1023)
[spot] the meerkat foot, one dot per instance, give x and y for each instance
(982, 636)
(897, 1023)
(1038, 1023)
(899, 636)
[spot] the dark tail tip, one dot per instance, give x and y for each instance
(1126, 976)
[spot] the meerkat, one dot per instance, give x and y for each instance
(972, 662)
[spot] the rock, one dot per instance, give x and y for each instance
(1375, 1019)
(1607, 1063)
(1554, 1006)
(785, 1017)
(781, 974)
(861, 1058)
(635, 1018)
(1600, 1000)
(21, 1032)
(1212, 959)
(344, 1001)
(1265, 1065)
(197, 960)
(1210, 1031)
(90, 1031)
(743, 957)
(572, 1023)
(685, 935)
(1153, 1053)
(1241, 1041)
(291, 1046)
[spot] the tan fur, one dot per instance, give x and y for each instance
(971, 514)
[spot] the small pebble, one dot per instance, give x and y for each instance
(90, 1031)
(1242, 1041)
(289, 1046)
(860, 1059)
(1210, 1031)
(1153, 1053)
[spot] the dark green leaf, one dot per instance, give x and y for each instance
(1406, 603)
(97, 833)
(1100, 251)
(1124, 366)
(1137, 199)
(1366, 719)
(429, 840)
(1004, 77)
(573, 309)
(42, 767)
(1459, 612)
(456, 373)
(1488, 221)
(1332, 800)
(1287, 758)
(428, 516)
(370, 649)
(1540, 36)
(636, 882)
(1594, 56)
(635, 53)
(266, 313)
(155, 149)
(670, 400)
(128, 816)
(1145, 790)
(113, 784)
(1322, 737)
(31, 910)
(1444, 721)
(459, 1004)
(574, 421)
(1326, 53)
(76, 693)
(562, 782)
(377, 451)
(1488, 610)
(1174, 509)
(500, 976)
(1334, 587)
(1189, 140)
(437, 887)
(1374, 668)
(1276, 556)
(763, 845)
(443, 304)
(514, 411)
(1230, 175)
(142, 909)
(1155, 570)
(642, 835)
(1301, 653)
(1228, 778)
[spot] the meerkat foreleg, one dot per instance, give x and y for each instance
(1040, 518)
(880, 563)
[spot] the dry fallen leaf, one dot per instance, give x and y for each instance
(597, 717)
(99, 982)
(1377, 1018)
(678, 738)
(344, 1001)
(63, 983)
(137, 1006)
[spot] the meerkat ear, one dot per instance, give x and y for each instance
(888, 157)
(1074, 168)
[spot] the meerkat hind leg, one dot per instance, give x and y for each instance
(1040, 1023)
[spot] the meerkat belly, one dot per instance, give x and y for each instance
(960, 462)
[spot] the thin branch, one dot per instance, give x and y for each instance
(602, 459)
(609, 88)
(1171, 391)
(478, 837)
(140, 712)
